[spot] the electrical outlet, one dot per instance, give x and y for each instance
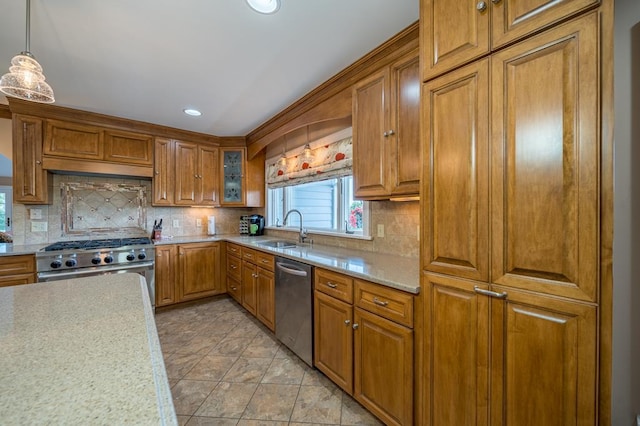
(380, 230)
(35, 214)
(176, 223)
(198, 223)
(38, 226)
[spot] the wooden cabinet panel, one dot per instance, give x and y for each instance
(453, 33)
(234, 249)
(334, 284)
(513, 19)
(456, 365)
(186, 171)
(266, 298)
(233, 176)
(249, 286)
(394, 305)
(128, 147)
(17, 280)
(165, 275)
(163, 173)
(207, 176)
(405, 120)
(73, 140)
(17, 270)
(264, 260)
(234, 267)
(544, 356)
(200, 270)
(370, 151)
(333, 339)
(455, 231)
(545, 153)
(234, 288)
(383, 375)
(31, 183)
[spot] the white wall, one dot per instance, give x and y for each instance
(626, 252)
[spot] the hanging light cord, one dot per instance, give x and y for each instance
(28, 26)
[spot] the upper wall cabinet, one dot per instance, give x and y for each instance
(31, 183)
(196, 174)
(241, 181)
(386, 131)
(457, 32)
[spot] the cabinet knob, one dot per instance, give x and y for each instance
(157, 173)
(481, 6)
(159, 255)
(355, 326)
(347, 322)
(234, 288)
(38, 162)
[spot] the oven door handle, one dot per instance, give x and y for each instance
(77, 273)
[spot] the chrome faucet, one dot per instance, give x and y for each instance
(303, 232)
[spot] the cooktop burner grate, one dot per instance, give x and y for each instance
(97, 244)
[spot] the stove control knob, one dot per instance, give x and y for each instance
(131, 257)
(142, 255)
(96, 260)
(108, 258)
(56, 264)
(71, 263)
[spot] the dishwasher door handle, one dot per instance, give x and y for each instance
(289, 270)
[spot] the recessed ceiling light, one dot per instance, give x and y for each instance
(192, 112)
(264, 6)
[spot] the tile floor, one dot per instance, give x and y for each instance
(226, 368)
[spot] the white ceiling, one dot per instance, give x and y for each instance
(149, 59)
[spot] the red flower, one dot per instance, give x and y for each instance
(305, 166)
(340, 156)
(280, 172)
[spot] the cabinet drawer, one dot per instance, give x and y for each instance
(233, 267)
(16, 265)
(248, 254)
(234, 288)
(334, 284)
(388, 303)
(9, 280)
(264, 260)
(234, 249)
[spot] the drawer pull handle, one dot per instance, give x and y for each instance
(234, 267)
(265, 261)
(379, 302)
(347, 322)
(234, 288)
(490, 293)
(332, 285)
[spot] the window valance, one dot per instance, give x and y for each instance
(327, 162)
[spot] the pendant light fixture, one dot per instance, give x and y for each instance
(283, 158)
(307, 153)
(25, 79)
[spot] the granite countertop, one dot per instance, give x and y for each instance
(82, 351)
(10, 249)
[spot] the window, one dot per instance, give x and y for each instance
(5, 209)
(326, 206)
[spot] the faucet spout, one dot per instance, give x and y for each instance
(303, 232)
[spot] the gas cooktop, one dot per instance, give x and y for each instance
(97, 244)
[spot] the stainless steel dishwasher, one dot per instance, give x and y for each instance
(294, 307)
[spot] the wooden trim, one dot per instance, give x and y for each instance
(5, 112)
(96, 167)
(18, 106)
(394, 48)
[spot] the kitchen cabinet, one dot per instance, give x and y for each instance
(163, 172)
(366, 345)
(128, 147)
(266, 290)
(32, 184)
(455, 33)
(249, 286)
(234, 271)
(187, 272)
(196, 171)
(386, 131)
(17, 270)
(165, 274)
(510, 246)
(242, 181)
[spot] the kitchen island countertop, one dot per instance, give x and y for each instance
(82, 351)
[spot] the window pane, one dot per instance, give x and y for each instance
(3, 212)
(275, 206)
(354, 208)
(317, 203)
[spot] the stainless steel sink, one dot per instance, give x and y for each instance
(277, 244)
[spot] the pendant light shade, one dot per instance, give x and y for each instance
(25, 79)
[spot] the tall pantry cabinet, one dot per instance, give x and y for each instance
(515, 213)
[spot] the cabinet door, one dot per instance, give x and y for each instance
(71, 140)
(234, 288)
(200, 270)
(543, 356)
(512, 19)
(31, 183)
(453, 33)
(233, 164)
(163, 173)
(165, 274)
(11, 280)
(266, 298)
(455, 227)
(404, 161)
(249, 293)
(456, 361)
(383, 367)
(370, 150)
(333, 339)
(208, 177)
(186, 173)
(545, 162)
(128, 148)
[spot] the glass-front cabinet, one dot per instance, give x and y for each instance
(233, 163)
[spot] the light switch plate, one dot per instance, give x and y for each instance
(35, 214)
(380, 230)
(198, 223)
(38, 226)
(176, 223)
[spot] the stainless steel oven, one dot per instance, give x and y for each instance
(76, 259)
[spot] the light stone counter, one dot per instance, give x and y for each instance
(82, 351)
(10, 249)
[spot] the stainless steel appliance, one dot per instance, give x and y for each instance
(294, 307)
(75, 259)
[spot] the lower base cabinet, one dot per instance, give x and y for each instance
(365, 343)
(188, 272)
(17, 270)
